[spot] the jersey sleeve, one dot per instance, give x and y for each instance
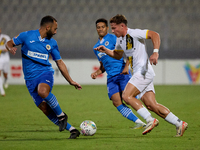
(55, 53)
(140, 34)
(19, 39)
(117, 46)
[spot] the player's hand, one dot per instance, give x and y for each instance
(94, 75)
(13, 50)
(101, 48)
(76, 85)
(125, 71)
(154, 58)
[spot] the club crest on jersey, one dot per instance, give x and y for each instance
(48, 47)
(3, 41)
(129, 42)
(106, 43)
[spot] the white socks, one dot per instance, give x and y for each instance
(171, 118)
(1, 87)
(62, 114)
(144, 113)
(71, 128)
(139, 121)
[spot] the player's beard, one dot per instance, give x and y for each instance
(49, 34)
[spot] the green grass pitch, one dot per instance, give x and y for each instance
(24, 127)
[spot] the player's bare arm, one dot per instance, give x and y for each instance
(10, 47)
(112, 53)
(98, 72)
(63, 69)
(155, 38)
(126, 67)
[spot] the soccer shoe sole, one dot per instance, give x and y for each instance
(154, 124)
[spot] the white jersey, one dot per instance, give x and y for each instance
(134, 47)
(4, 55)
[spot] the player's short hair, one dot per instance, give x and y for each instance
(119, 19)
(102, 20)
(47, 19)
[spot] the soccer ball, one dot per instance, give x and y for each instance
(88, 128)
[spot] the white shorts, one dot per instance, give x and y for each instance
(4, 66)
(142, 83)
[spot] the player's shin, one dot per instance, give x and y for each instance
(53, 103)
(127, 112)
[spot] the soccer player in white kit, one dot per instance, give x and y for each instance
(132, 43)
(4, 61)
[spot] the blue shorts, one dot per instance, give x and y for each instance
(32, 85)
(117, 84)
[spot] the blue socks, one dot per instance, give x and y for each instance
(127, 112)
(54, 119)
(53, 103)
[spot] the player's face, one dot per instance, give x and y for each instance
(52, 30)
(102, 29)
(117, 29)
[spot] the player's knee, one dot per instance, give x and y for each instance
(126, 98)
(43, 93)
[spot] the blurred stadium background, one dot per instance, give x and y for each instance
(177, 21)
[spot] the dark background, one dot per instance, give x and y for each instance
(177, 22)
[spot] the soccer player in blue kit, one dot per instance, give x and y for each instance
(117, 72)
(36, 46)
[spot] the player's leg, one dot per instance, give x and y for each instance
(1, 86)
(126, 111)
(45, 108)
(51, 100)
(5, 79)
(115, 86)
(40, 89)
(149, 100)
(44, 91)
(5, 73)
(136, 86)
(129, 97)
(45, 85)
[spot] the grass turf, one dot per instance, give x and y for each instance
(23, 126)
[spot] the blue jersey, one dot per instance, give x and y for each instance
(112, 66)
(35, 53)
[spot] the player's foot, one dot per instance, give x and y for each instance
(181, 129)
(139, 126)
(62, 122)
(150, 125)
(3, 93)
(6, 85)
(74, 134)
